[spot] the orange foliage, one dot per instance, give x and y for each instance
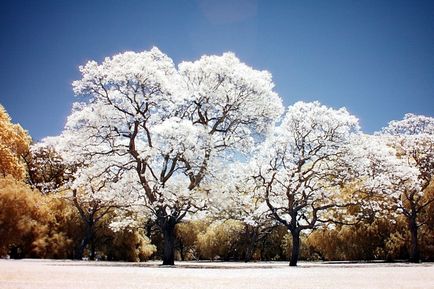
(14, 144)
(32, 225)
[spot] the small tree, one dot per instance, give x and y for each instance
(46, 170)
(300, 167)
(90, 188)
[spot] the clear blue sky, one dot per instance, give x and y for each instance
(374, 57)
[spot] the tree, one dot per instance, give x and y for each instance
(299, 168)
(95, 198)
(46, 169)
(92, 190)
(391, 176)
(169, 126)
(413, 139)
(14, 145)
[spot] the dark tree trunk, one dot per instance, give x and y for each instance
(15, 253)
(84, 242)
(414, 246)
(295, 248)
(92, 248)
(252, 237)
(80, 250)
(168, 229)
(249, 253)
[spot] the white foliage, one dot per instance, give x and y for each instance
(413, 139)
(412, 124)
(157, 130)
(232, 98)
(299, 166)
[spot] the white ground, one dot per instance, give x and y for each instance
(210, 275)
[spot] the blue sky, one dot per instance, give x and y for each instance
(374, 57)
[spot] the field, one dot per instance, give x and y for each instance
(81, 274)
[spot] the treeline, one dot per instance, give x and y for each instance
(201, 161)
(36, 225)
(35, 222)
(231, 240)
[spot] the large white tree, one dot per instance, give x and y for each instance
(413, 140)
(392, 170)
(168, 125)
(300, 167)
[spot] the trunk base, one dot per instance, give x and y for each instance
(169, 244)
(414, 246)
(295, 249)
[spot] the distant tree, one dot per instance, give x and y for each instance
(92, 194)
(238, 200)
(187, 236)
(46, 169)
(270, 247)
(413, 139)
(169, 126)
(396, 168)
(95, 197)
(299, 169)
(14, 145)
(221, 240)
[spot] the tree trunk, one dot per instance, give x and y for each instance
(169, 243)
(15, 252)
(414, 246)
(295, 248)
(251, 244)
(92, 248)
(80, 250)
(84, 242)
(249, 253)
(182, 251)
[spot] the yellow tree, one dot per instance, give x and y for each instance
(31, 224)
(14, 144)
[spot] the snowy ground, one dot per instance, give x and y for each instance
(211, 275)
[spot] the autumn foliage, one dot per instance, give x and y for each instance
(32, 225)
(14, 145)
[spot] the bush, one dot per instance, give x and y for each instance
(31, 225)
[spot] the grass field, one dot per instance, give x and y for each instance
(209, 275)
